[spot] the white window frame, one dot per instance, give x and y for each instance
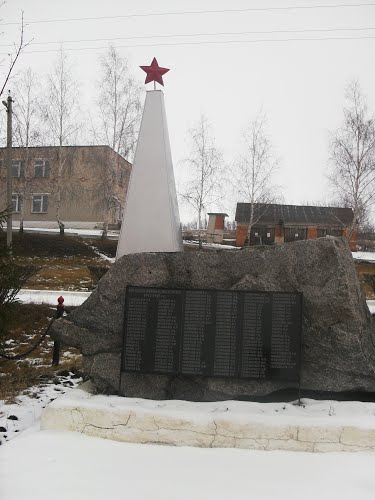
(17, 164)
(41, 205)
(18, 201)
(42, 163)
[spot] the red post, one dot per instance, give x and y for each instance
(56, 344)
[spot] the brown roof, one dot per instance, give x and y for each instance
(294, 214)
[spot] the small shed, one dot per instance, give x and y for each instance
(215, 227)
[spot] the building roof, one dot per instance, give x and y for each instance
(3, 149)
(294, 214)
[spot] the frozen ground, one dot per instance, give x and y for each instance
(63, 465)
(39, 465)
(365, 256)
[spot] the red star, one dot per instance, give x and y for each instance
(154, 72)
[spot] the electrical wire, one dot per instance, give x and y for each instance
(208, 42)
(150, 37)
(197, 12)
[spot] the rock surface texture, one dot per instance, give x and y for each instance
(338, 333)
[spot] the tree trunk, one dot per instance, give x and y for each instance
(59, 221)
(105, 230)
(251, 223)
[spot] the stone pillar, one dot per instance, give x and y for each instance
(151, 221)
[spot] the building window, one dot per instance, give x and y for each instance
(39, 203)
(332, 231)
(41, 168)
(16, 202)
(17, 168)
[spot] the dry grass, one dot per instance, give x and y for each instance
(26, 323)
(69, 273)
(63, 260)
(365, 269)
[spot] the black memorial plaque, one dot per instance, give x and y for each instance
(220, 333)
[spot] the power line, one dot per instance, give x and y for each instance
(192, 12)
(197, 34)
(208, 42)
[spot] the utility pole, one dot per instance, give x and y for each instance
(8, 105)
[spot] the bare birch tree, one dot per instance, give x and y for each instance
(60, 113)
(120, 113)
(14, 54)
(253, 171)
(27, 132)
(353, 157)
(205, 164)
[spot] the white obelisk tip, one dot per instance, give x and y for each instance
(151, 221)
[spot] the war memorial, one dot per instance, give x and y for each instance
(184, 328)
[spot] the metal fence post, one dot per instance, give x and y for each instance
(56, 343)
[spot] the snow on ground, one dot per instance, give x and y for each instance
(27, 407)
(365, 256)
(40, 465)
(50, 297)
(88, 233)
(103, 256)
(67, 465)
(213, 246)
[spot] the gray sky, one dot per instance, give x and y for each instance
(298, 83)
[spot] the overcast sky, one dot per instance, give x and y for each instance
(293, 62)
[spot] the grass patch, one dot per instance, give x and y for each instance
(63, 260)
(47, 245)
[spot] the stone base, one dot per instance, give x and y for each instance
(315, 426)
(338, 352)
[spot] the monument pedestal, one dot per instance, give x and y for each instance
(227, 424)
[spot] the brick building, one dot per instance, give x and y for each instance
(285, 223)
(91, 182)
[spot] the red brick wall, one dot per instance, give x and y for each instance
(312, 232)
(352, 240)
(279, 234)
(241, 235)
(219, 222)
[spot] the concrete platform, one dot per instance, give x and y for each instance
(314, 426)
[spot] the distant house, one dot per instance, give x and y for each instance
(88, 180)
(285, 223)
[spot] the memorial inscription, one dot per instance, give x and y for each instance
(222, 333)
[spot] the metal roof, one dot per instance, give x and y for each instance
(294, 214)
(218, 213)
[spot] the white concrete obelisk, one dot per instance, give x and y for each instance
(151, 221)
